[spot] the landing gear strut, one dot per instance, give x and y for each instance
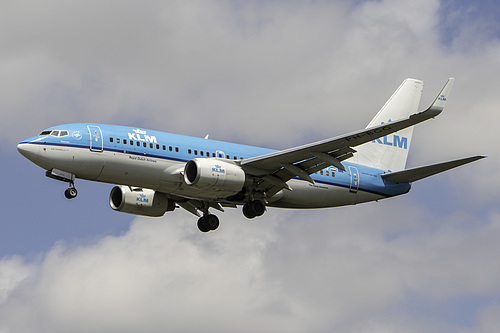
(253, 209)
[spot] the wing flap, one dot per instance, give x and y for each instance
(411, 175)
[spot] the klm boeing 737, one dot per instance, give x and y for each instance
(157, 172)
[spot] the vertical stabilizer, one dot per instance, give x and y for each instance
(390, 152)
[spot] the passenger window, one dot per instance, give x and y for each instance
(124, 141)
(170, 148)
(202, 153)
(176, 149)
(110, 139)
(157, 146)
(131, 142)
(189, 151)
(196, 152)
(118, 140)
(321, 172)
(151, 145)
(327, 173)
(144, 144)
(138, 143)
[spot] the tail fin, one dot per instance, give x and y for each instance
(390, 152)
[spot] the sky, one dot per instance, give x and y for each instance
(275, 74)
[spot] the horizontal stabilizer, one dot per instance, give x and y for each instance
(411, 175)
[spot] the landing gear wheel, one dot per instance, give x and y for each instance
(202, 225)
(247, 211)
(253, 209)
(70, 193)
(212, 221)
(208, 222)
(258, 207)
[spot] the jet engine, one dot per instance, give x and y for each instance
(140, 201)
(214, 175)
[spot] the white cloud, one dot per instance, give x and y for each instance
(348, 268)
(268, 73)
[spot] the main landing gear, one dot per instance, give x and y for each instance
(253, 209)
(208, 222)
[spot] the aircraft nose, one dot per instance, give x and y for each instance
(28, 150)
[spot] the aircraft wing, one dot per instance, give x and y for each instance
(277, 168)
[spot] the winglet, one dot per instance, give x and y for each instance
(438, 105)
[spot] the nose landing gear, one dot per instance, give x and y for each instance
(64, 176)
(71, 192)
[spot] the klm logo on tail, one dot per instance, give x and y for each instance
(397, 141)
(393, 140)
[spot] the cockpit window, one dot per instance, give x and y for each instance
(55, 133)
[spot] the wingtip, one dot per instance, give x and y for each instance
(438, 105)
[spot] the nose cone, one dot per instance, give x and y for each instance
(30, 151)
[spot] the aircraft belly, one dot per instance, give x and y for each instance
(319, 195)
(135, 170)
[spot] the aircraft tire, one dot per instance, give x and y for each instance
(248, 212)
(212, 221)
(257, 207)
(202, 224)
(70, 193)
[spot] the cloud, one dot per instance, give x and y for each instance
(317, 70)
(278, 273)
(274, 74)
(159, 275)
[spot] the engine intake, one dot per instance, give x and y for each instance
(140, 201)
(214, 175)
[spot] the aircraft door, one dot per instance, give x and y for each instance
(96, 142)
(354, 179)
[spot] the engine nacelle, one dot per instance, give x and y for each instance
(140, 201)
(211, 174)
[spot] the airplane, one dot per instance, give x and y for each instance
(156, 172)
